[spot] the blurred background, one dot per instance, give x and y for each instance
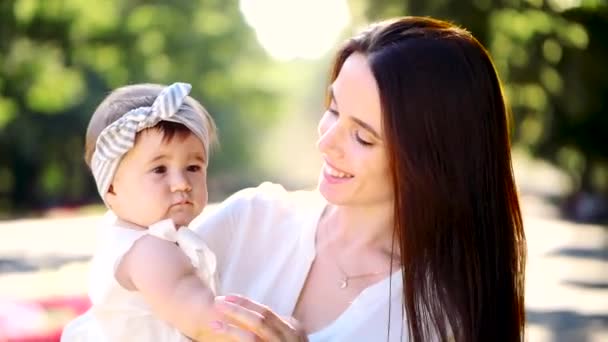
(260, 67)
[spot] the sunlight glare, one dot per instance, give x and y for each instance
(562, 5)
(289, 29)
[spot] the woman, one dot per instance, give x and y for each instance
(415, 230)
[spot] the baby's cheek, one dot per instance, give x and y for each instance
(203, 198)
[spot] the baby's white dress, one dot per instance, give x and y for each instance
(118, 314)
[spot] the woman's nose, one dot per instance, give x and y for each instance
(330, 138)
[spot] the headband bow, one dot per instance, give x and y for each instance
(119, 137)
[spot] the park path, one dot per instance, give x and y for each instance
(567, 271)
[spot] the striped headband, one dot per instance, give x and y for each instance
(119, 137)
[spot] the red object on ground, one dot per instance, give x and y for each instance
(17, 314)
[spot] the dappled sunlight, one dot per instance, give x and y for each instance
(562, 5)
(8, 111)
(552, 51)
(53, 86)
(551, 80)
(105, 59)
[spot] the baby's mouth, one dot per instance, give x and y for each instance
(181, 203)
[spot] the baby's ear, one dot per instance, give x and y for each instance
(110, 196)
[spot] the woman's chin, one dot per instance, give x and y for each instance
(331, 194)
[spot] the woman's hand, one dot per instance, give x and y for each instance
(246, 320)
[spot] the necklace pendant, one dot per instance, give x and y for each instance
(344, 282)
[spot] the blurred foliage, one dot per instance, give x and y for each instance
(59, 58)
(551, 56)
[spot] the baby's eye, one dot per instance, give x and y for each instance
(333, 112)
(194, 168)
(159, 169)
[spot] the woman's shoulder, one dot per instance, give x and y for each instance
(272, 197)
(268, 205)
(253, 219)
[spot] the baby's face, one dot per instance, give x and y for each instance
(160, 179)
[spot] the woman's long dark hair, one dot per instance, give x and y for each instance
(458, 221)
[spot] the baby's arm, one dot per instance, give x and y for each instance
(164, 276)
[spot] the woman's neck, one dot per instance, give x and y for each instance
(360, 229)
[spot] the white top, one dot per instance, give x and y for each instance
(118, 314)
(264, 240)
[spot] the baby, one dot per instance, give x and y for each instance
(152, 278)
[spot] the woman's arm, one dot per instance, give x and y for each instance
(164, 276)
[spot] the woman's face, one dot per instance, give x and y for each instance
(351, 140)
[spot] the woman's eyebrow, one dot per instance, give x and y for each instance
(360, 122)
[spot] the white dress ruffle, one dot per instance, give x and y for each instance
(118, 314)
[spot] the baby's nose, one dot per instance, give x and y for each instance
(180, 183)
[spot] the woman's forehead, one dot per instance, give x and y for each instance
(355, 91)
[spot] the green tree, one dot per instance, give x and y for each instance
(59, 58)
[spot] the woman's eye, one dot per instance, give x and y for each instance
(361, 140)
(159, 169)
(194, 168)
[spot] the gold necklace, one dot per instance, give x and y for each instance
(343, 283)
(344, 280)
